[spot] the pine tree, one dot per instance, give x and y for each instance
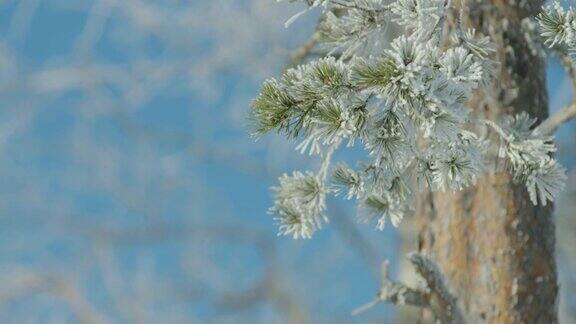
(452, 116)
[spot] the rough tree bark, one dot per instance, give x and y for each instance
(495, 248)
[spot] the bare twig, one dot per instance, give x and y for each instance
(304, 51)
(442, 302)
(395, 293)
(437, 298)
(568, 64)
(551, 124)
(28, 282)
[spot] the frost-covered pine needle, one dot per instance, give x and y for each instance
(405, 102)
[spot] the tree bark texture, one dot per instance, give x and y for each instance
(495, 248)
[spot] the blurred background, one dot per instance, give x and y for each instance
(131, 191)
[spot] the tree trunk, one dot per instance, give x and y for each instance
(495, 248)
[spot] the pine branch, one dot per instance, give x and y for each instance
(390, 100)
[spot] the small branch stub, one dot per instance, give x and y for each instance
(437, 297)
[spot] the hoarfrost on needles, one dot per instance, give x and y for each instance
(406, 104)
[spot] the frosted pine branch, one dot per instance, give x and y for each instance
(528, 153)
(405, 102)
(558, 26)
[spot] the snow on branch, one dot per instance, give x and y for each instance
(558, 26)
(443, 304)
(435, 297)
(528, 152)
